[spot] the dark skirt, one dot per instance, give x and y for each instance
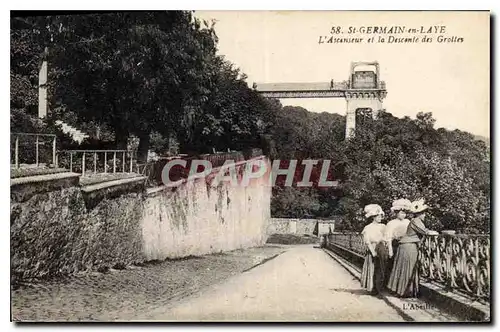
(390, 260)
(373, 276)
(403, 279)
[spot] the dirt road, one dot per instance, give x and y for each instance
(302, 284)
(270, 283)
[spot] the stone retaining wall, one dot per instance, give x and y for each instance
(293, 226)
(63, 228)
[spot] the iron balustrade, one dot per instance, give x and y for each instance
(456, 262)
(33, 141)
(100, 161)
(459, 262)
(153, 170)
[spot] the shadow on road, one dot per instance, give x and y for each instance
(351, 291)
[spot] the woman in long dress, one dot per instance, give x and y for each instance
(374, 270)
(404, 278)
(396, 229)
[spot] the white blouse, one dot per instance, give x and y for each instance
(373, 233)
(396, 229)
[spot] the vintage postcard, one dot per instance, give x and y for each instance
(249, 166)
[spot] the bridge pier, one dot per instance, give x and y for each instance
(356, 101)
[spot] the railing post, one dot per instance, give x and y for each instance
(16, 152)
(131, 157)
(437, 258)
(36, 149)
(83, 164)
(488, 257)
(71, 161)
(54, 154)
(124, 161)
(449, 254)
(478, 270)
(114, 162)
(105, 162)
(95, 162)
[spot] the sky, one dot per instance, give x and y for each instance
(451, 80)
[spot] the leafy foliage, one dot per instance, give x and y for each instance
(153, 75)
(27, 50)
(234, 116)
(135, 72)
(390, 158)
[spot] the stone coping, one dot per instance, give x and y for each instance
(42, 178)
(108, 184)
(323, 221)
(18, 172)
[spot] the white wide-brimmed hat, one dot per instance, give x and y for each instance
(373, 210)
(401, 204)
(418, 206)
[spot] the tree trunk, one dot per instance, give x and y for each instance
(142, 150)
(121, 138)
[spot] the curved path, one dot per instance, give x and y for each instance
(301, 284)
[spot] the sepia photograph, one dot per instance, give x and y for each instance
(250, 166)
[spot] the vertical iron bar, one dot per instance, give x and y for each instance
(36, 155)
(478, 270)
(449, 253)
(124, 161)
(438, 257)
(131, 157)
(17, 152)
(54, 156)
(105, 162)
(95, 162)
(83, 164)
(114, 162)
(71, 161)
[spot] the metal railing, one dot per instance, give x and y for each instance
(100, 161)
(352, 241)
(32, 143)
(456, 262)
(218, 159)
(153, 170)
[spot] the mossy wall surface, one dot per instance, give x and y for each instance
(54, 233)
(197, 218)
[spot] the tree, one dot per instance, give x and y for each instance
(389, 158)
(300, 134)
(232, 116)
(394, 158)
(136, 72)
(289, 202)
(27, 37)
